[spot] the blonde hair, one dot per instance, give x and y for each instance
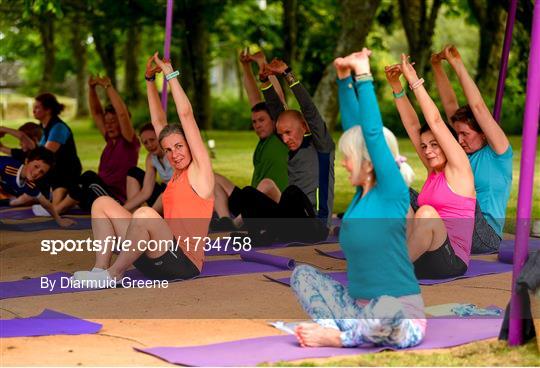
(353, 146)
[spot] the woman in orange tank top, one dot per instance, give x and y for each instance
(161, 247)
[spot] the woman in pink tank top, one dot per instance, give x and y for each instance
(439, 235)
(157, 246)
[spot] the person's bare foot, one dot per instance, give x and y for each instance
(315, 335)
(342, 68)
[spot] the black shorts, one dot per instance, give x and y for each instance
(439, 264)
(173, 265)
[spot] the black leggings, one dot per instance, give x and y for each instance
(90, 187)
(292, 219)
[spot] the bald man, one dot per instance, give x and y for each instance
(307, 202)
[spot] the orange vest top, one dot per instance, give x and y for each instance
(188, 216)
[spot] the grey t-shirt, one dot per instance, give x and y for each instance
(311, 167)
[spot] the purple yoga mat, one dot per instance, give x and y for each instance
(236, 267)
(269, 259)
(80, 224)
(37, 286)
(476, 268)
(441, 333)
(26, 213)
(230, 251)
(47, 323)
(506, 250)
(33, 286)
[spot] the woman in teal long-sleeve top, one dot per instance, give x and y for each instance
(380, 306)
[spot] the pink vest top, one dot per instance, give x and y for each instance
(456, 211)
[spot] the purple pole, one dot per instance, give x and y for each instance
(504, 59)
(167, 50)
(526, 177)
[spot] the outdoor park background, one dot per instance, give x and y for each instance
(54, 45)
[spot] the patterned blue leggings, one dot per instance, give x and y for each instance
(380, 322)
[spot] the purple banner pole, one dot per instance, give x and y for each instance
(526, 177)
(504, 59)
(167, 50)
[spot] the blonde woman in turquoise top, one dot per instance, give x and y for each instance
(382, 308)
(486, 145)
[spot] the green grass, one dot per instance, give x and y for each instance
(478, 354)
(234, 160)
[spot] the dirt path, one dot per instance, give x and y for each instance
(186, 313)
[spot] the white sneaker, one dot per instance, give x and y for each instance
(94, 279)
(38, 210)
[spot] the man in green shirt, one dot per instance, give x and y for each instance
(269, 165)
(271, 154)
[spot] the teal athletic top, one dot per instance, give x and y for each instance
(373, 231)
(270, 161)
(492, 181)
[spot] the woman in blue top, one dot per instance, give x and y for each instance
(488, 148)
(382, 308)
(58, 138)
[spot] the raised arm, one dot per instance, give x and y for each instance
(457, 160)
(406, 111)
(126, 128)
(273, 102)
(201, 176)
(157, 115)
(260, 59)
(321, 137)
(446, 92)
(96, 110)
(248, 78)
(492, 130)
(348, 101)
(386, 169)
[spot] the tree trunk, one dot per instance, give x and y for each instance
(132, 91)
(198, 40)
(491, 17)
(78, 47)
(238, 74)
(290, 31)
(46, 32)
(419, 26)
(105, 47)
(356, 19)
